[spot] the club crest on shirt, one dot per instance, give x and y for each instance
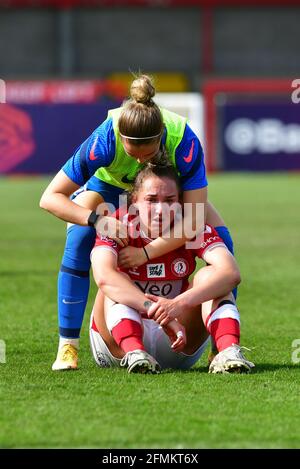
(156, 270)
(179, 267)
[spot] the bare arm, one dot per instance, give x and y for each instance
(215, 280)
(56, 200)
(161, 246)
(132, 256)
(210, 282)
(119, 288)
(114, 284)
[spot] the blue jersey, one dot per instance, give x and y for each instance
(99, 151)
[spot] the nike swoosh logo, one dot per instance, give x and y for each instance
(188, 158)
(71, 302)
(92, 152)
(126, 180)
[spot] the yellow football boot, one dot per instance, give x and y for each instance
(67, 358)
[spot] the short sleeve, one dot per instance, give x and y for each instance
(103, 242)
(208, 239)
(97, 151)
(190, 161)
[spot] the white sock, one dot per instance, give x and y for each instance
(63, 341)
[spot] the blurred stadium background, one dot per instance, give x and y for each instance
(229, 66)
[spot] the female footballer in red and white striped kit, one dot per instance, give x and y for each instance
(150, 317)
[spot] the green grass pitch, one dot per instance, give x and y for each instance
(94, 408)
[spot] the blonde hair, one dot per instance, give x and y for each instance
(141, 118)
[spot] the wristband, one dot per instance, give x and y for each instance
(148, 258)
(93, 218)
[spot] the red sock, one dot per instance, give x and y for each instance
(94, 327)
(128, 334)
(225, 332)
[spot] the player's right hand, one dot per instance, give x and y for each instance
(163, 310)
(112, 228)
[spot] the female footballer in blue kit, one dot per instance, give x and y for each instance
(105, 165)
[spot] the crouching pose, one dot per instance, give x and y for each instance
(149, 318)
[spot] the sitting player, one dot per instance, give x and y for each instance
(134, 318)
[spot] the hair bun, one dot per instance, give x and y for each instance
(161, 160)
(142, 89)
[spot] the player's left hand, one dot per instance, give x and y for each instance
(163, 310)
(177, 335)
(131, 257)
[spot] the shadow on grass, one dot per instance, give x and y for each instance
(202, 369)
(277, 366)
(260, 368)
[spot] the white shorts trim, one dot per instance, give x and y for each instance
(99, 349)
(117, 312)
(225, 311)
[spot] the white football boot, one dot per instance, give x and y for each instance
(230, 360)
(139, 361)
